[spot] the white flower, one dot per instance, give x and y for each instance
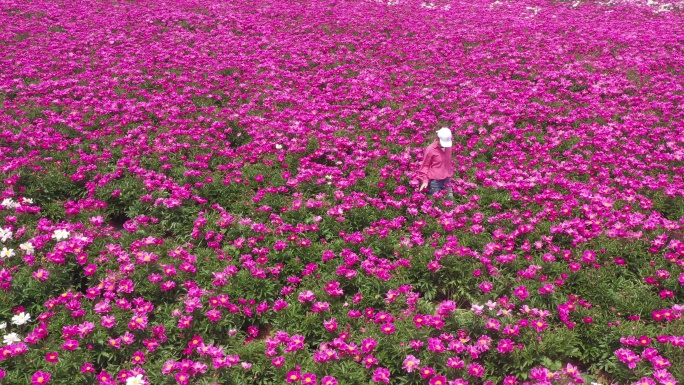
(60, 234)
(278, 146)
(5, 234)
(28, 200)
(11, 338)
(137, 380)
(3, 325)
(6, 253)
(21, 318)
(9, 203)
(27, 247)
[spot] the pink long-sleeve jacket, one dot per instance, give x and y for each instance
(437, 163)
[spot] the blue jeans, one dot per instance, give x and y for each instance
(436, 185)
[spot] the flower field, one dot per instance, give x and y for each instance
(205, 192)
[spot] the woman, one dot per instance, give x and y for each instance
(437, 167)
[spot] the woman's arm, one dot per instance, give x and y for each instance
(422, 172)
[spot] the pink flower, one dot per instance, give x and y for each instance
(381, 375)
(138, 358)
(87, 368)
(454, 363)
(426, 372)
(70, 345)
(319, 307)
(330, 325)
(370, 361)
(628, 357)
(41, 275)
(279, 305)
(213, 315)
(645, 381)
(521, 292)
(486, 287)
(293, 376)
(510, 380)
(410, 363)
(40, 378)
(387, 328)
(108, 321)
(505, 346)
(368, 344)
(309, 379)
(184, 322)
(52, 357)
(539, 325)
(182, 378)
(493, 324)
(278, 361)
(476, 370)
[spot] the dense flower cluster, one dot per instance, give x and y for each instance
(224, 192)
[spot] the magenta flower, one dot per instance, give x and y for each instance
(410, 363)
(70, 345)
(329, 380)
(387, 328)
(510, 380)
(486, 287)
(539, 325)
(40, 378)
(493, 324)
(369, 361)
(454, 363)
(319, 307)
(182, 378)
(293, 376)
(87, 368)
(309, 379)
(184, 322)
(476, 370)
(381, 375)
(108, 321)
(138, 358)
(41, 275)
(278, 361)
(628, 357)
(368, 344)
(427, 372)
(660, 363)
(433, 266)
(52, 357)
(330, 325)
(645, 381)
(438, 380)
(505, 346)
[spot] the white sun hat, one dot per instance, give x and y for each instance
(444, 135)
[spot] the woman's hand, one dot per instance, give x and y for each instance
(423, 186)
